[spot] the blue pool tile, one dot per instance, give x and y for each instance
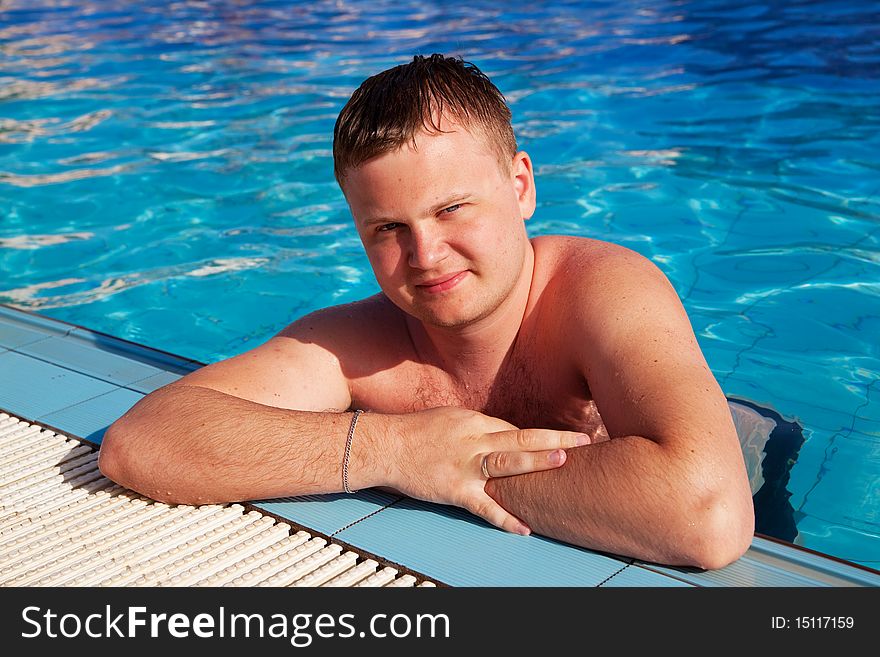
(806, 412)
(328, 514)
(867, 416)
(637, 576)
(457, 548)
(768, 563)
(152, 383)
(18, 327)
(89, 359)
(32, 388)
(744, 573)
(14, 335)
(855, 541)
(159, 360)
(845, 481)
(89, 419)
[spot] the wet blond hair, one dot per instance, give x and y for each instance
(391, 107)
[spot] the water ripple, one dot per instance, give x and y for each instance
(177, 155)
(38, 241)
(12, 131)
(40, 179)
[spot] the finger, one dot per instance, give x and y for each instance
(507, 464)
(490, 511)
(532, 440)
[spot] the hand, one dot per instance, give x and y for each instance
(447, 454)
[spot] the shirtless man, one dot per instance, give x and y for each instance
(551, 385)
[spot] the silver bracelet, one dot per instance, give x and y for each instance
(354, 421)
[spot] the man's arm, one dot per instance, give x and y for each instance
(670, 486)
(272, 423)
(239, 429)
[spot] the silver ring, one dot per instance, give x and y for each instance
(484, 466)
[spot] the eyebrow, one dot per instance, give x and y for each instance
(452, 199)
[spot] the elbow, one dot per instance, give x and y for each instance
(113, 457)
(119, 461)
(138, 452)
(720, 532)
(122, 461)
(131, 458)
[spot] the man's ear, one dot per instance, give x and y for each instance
(524, 183)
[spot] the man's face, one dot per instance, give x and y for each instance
(442, 224)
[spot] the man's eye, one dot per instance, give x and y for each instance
(386, 227)
(452, 208)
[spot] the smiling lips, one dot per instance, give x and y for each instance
(443, 283)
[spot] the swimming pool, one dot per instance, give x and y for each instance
(166, 177)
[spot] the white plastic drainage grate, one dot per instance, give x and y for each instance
(62, 523)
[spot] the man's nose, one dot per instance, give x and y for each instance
(427, 247)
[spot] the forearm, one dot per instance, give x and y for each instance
(632, 497)
(193, 445)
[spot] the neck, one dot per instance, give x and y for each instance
(473, 354)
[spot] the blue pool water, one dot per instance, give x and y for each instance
(166, 177)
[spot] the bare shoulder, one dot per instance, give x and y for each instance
(307, 365)
(595, 272)
(338, 327)
(610, 302)
(582, 253)
(630, 335)
(363, 336)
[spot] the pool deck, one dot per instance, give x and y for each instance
(77, 382)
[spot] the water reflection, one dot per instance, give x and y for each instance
(733, 144)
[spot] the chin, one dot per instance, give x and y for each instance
(445, 313)
(446, 322)
(458, 317)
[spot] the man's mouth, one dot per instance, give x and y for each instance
(442, 283)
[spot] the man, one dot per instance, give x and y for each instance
(551, 385)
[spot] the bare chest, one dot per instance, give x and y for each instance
(527, 392)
